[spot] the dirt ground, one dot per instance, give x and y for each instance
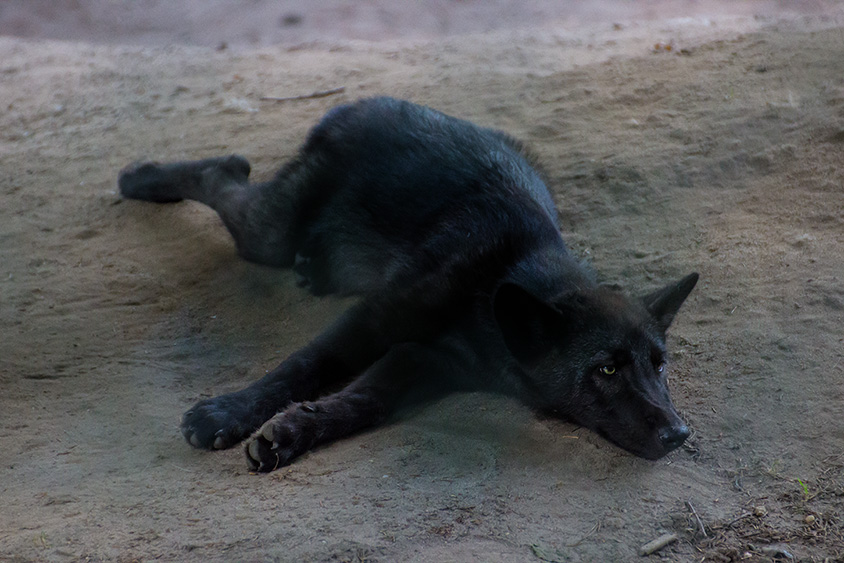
(722, 154)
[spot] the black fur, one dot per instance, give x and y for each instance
(449, 235)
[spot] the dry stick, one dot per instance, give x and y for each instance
(657, 544)
(319, 94)
(742, 517)
(594, 529)
(699, 521)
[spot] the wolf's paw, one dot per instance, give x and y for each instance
(148, 181)
(218, 423)
(280, 440)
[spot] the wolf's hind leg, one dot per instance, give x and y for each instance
(258, 218)
(200, 180)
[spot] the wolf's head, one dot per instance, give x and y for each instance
(598, 358)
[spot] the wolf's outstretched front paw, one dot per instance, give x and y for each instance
(148, 181)
(218, 423)
(281, 439)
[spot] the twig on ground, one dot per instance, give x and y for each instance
(657, 544)
(318, 94)
(742, 517)
(594, 529)
(699, 521)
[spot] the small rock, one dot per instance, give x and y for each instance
(759, 511)
(291, 19)
(802, 240)
(238, 105)
(777, 552)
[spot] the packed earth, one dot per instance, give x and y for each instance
(710, 140)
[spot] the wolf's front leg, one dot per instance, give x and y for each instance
(366, 402)
(224, 421)
(349, 347)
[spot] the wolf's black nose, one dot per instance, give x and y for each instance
(673, 436)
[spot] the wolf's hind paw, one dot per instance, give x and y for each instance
(148, 181)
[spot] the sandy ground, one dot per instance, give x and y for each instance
(722, 155)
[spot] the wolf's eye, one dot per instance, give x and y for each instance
(608, 370)
(660, 368)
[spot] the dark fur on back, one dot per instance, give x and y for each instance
(450, 236)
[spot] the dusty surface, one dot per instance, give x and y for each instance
(722, 156)
(215, 23)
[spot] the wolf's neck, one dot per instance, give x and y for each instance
(551, 271)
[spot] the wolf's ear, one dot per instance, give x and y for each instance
(664, 303)
(530, 326)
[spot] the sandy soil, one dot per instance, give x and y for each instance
(723, 155)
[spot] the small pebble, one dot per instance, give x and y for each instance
(759, 511)
(810, 519)
(777, 552)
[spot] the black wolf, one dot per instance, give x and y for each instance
(449, 236)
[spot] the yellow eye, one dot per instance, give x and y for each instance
(608, 370)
